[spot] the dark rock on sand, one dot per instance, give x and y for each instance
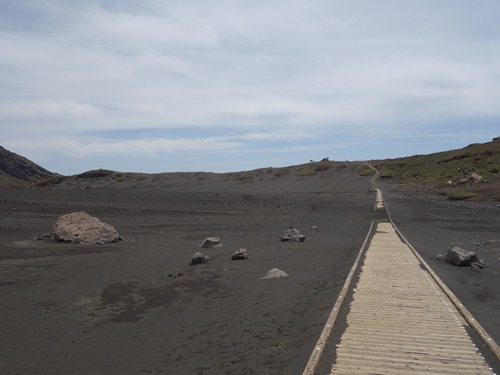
(292, 234)
(199, 258)
(460, 257)
(81, 228)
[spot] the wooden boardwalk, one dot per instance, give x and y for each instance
(400, 322)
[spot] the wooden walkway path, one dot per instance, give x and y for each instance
(402, 319)
(400, 322)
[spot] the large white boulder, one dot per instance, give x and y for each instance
(81, 228)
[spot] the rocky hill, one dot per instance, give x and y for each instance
(17, 170)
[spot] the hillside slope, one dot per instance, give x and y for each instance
(17, 170)
(480, 162)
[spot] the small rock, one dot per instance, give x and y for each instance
(441, 257)
(314, 227)
(477, 265)
(240, 254)
(292, 234)
(211, 243)
(42, 237)
(199, 258)
(476, 178)
(275, 273)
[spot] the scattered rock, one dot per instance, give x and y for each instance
(81, 228)
(476, 178)
(179, 274)
(274, 274)
(441, 257)
(240, 254)
(292, 234)
(460, 257)
(479, 265)
(473, 177)
(314, 227)
(199, 258)
(43, 237)
(211, 243)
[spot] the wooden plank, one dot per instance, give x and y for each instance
(400, 320)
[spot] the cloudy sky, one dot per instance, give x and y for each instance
(230, 85)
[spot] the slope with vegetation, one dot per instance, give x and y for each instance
(449, 167)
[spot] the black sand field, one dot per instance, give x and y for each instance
(138, 307)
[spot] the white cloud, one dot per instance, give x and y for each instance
(257, 69)
(134, 148)
(45, 109)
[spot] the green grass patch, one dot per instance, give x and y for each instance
(366, 171)
(461, 195)
(307, 171)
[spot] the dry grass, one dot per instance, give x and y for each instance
(307, 171)
(461, 195)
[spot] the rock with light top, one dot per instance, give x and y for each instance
(81, 228)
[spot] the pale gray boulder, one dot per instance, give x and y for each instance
(211, 243)
(240, 254)
(275, 273)
(81, 228)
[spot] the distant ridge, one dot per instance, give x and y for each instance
(453, 168)
(17, 170)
